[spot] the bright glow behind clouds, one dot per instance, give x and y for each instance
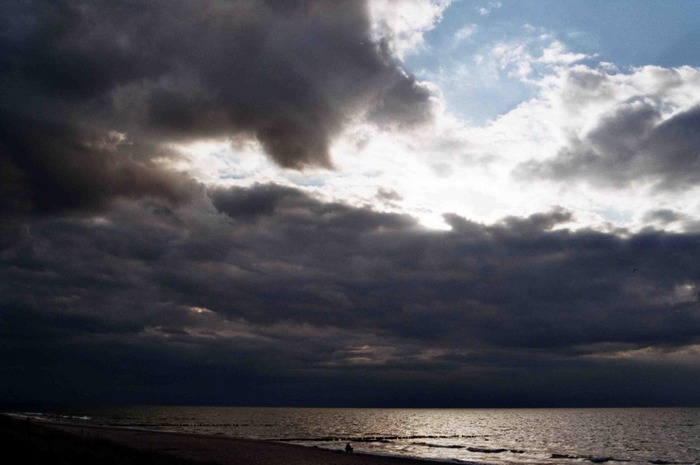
(452, 166)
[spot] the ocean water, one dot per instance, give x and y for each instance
(488, 436)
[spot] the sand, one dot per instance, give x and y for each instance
(215, 449)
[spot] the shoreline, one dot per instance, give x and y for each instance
(220, 450)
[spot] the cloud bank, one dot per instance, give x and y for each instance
(266, 294)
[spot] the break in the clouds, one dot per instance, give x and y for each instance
(511, 219)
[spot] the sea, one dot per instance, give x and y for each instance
(657, 436)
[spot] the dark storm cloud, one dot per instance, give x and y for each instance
(54, 167)
(269, 295)
(667, 217)
(91, 91)
(631, 144)
(262, 200)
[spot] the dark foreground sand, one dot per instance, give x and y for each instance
(58, 444)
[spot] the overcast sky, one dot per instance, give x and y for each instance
(437, 203)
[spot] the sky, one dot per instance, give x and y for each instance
(376, 203)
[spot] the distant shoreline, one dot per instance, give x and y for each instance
(221, 450)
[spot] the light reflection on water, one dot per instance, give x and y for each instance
(497, 436)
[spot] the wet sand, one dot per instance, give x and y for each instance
(209, 449)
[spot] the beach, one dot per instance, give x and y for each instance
(41, 442)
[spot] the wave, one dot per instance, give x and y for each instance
(378, 438)
(484, 450)
(48, 416)
(589, 458)
(192, 425)
(490, 450)
(605, 459)
(668, 462)
(438, 446)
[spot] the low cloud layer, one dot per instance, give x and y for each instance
(266, 294)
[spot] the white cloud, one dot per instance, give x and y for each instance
(556, 54)
(581, 95)
(641, 141)
(402, 23)
(531, 58)
(465, 32)
(485, 10)
(598, 109)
